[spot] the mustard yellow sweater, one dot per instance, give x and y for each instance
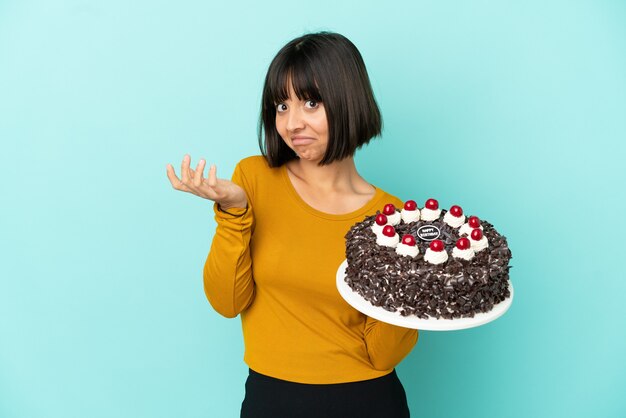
(276, 266)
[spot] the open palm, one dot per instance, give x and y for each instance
(224, 192)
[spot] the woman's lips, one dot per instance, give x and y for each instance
(302, 140)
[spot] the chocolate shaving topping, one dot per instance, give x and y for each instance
(411, 286)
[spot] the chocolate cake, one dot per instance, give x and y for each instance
(430, 263)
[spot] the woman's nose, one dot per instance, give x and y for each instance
(295, 120)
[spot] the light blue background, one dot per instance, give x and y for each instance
(515, 110)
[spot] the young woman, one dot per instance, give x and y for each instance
(281, 223)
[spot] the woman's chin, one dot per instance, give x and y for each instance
(309, 156)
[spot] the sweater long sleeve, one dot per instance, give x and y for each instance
(387, 344)
(275, 265)
(228, 281)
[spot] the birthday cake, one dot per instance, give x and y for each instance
(429, 262)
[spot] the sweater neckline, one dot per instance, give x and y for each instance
(365, 209)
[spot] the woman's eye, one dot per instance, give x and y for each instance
(311, 104)
(281, 107)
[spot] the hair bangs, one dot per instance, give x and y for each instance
(297, 72)
(303, 82)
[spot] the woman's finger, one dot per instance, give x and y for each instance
(176, 182)
(184, 170)
(197, 175)
(212, 177)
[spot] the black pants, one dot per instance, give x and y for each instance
(268, 397)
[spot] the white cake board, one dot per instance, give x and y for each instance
(432, 324)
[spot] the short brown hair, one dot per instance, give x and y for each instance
(328, 68)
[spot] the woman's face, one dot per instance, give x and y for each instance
(303, 126)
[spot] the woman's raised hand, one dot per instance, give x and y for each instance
(224, 192)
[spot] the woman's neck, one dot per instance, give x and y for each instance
(336, 176)
(336, 188)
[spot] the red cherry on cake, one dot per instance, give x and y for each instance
(477, 234)
(436, 245)
(432, 204)
(389, 231)
(408, 239)
(474, 222)
(381, 219)
(463, 243)
(456, 211)
(389, 209)
(410, 205)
